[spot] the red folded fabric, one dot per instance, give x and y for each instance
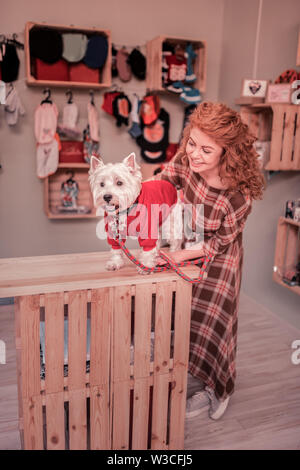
(82, 73)
(71, 152)
(58, 71)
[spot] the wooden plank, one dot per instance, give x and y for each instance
(33, 423)
(280, 244)
(101, 320)
(180, 363)
(28, 308)
(77, 420)
(142, 331)
(100, 427)
(54, 342)
(77, 335)
(254, 124)
(296, 157)
(121, 333)
(55, 421)
(121, 367)
(140, 414)
(121, 414)
(160, 411)
(163, 311)
(276, 141)
(100, 363)
(288, 138)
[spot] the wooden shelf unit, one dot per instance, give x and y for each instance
(52, 187)
(105, 71)
(280, 124)
(287, 246)
(154, 62)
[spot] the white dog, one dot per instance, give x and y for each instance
(136, 208)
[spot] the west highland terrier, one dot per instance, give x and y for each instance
(147, 210)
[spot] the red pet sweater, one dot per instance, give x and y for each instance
(145, 216)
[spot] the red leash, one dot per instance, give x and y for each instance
(170, 264)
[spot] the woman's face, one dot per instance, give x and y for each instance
(203, 153)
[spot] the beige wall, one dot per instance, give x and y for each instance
(277, 52)
(229, 27)
(25, 230)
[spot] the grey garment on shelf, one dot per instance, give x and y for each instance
(13, 107)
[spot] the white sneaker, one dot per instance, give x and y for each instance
(197, 404)
(217, 408)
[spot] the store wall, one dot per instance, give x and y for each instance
(25, 229)
(277, 52)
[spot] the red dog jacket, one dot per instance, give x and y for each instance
(145, 216)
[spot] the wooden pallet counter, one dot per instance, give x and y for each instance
(102, 356)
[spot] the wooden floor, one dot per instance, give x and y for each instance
(264, 412)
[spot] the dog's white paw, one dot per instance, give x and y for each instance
(113, 265)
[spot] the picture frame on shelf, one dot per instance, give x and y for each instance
(252, 88)
(279, 93)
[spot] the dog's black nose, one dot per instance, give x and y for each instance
(107, 197)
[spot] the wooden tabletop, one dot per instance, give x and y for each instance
(58, 273)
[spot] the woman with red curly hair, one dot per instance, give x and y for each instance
(216, 166)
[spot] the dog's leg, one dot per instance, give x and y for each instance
(116, 260)
(148, 259)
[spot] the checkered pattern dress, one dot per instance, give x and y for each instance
(214, 321)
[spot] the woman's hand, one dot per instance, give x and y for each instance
(175, 257)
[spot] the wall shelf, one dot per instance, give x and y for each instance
(287, 251)
(280, 124)
(154, 62)
(105, 71)
(52, 195)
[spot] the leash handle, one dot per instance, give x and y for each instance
(170, 264)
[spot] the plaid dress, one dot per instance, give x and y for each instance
(214, 321)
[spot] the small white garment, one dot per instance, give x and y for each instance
(2, 92)
(13, 106)
(70, 115)
(47, 157)
(45, 122)
(93, 120)
(135, 109)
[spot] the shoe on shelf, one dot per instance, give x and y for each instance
(190, 95)
(176, 87)
(197, 404)
(217, 407)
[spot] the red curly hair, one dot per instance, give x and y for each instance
(239, 166)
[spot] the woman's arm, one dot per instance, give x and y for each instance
(183, 255)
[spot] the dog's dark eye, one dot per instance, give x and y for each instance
(119, 183)
(102, 184)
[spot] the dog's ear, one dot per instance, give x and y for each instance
(95, 163)
(130, 161)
